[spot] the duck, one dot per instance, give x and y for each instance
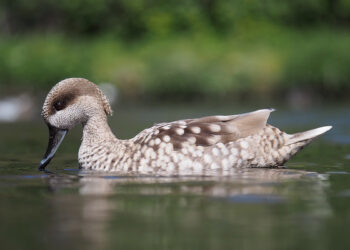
(201, 146)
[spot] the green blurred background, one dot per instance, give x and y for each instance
(239, 50)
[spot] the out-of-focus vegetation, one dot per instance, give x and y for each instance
(179, 48)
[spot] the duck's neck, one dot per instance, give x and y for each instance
(96, 129)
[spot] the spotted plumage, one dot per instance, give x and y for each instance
(203, 146)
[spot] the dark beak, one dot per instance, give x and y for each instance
(56, 136)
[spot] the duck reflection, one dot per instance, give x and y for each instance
(96, 210)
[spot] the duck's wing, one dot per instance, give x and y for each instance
(206, 131)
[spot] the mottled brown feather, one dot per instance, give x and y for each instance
(211, 130)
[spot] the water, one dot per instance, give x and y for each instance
(306, 206)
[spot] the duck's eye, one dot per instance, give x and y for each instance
(59, 105)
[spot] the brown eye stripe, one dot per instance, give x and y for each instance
(59, 105)
(63, 102)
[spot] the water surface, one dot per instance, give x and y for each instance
(305, 206)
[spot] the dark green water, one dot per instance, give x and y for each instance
(306, 206)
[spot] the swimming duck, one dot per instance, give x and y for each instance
(213, 144)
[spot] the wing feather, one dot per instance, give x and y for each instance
(210, 130)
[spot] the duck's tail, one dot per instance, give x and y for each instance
(307, 136)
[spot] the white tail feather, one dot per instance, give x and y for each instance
(307, 135)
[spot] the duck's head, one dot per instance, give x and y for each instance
(70, 102)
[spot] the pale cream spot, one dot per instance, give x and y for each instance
(213, 139)
(180, 131)
(149, 169)
(143, 161)
(196, 130)
(142, 168)
(214, 128)
(171, 166)
(284, 151)
(189, 163)
(197, 166)
(274, 143)
(214, 166)
(184, 151)
(182, 165)
(153, 155)
(275, 154)
(199, 153)
(163, 167)
(151, 143)
(166, 138)
(261, 162)
(234, 151)
(192, 139)
(231, 129)
(144, 148)
(225, 164)
(191, 150)
(137, 155)
(166, 159)
(232, 159)
(244, 144)
(207, 158)
(148, 153)
(244, 154)
(215, 151)
(175, 158)
(156, 132)
(225, 151)
(125, 167)
(222, 117)
(167, 127)
(168, 148)
(157, 141)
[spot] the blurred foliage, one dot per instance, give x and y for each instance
(139, 18)
(178, 48)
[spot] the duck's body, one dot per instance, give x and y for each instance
(215, 144)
